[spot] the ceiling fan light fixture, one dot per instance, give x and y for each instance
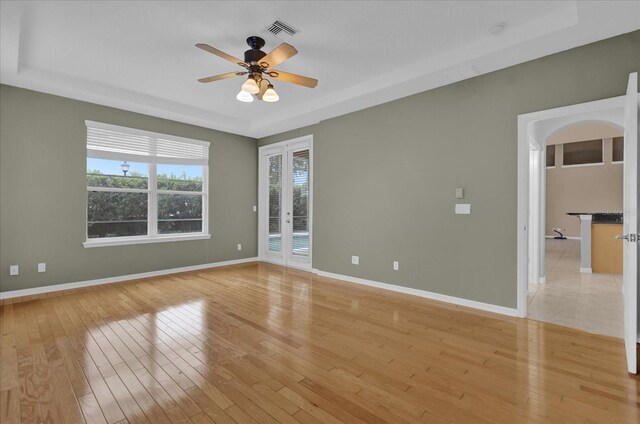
(250, 86)
(245, 97)
(270, 95)
(257, 65)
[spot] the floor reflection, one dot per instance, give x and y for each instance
(260, 343)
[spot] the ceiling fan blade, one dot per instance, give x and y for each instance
(221, 54)
(278, 55)
(221, 77)
(293, 78)
(263, 87)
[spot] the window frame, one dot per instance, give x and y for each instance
(617, 162)
(580, 165)
(152, 192)
(555, 156)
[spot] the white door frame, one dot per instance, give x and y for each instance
(531, 179)
(263, 195)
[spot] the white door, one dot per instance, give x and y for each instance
(630, 218)
(285, 203)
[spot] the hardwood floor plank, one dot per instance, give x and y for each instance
(126, 401)
(201, 419)
(154, 412)
(27, 380)
(91, 409)
(9, 386)
(213, 411)
(240, 416)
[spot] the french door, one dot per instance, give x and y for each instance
(285, 203)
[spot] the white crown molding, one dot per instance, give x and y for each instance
(574, 24)
(103, 94)
(488, 307)
(118, 279)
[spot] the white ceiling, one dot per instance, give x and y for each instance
(140, 55)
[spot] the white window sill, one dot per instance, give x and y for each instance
(122, 241)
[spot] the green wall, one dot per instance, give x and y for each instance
(385, 177)
(385, 180)
(43, 194)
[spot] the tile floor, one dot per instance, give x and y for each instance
(589, 302)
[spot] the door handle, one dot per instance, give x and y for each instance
(633, 238)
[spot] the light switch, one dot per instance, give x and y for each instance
(463, 209)
(42, 267)
(14, 270)
(459, 193)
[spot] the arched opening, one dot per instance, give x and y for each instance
(577, 188)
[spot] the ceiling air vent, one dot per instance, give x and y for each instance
(281, 30)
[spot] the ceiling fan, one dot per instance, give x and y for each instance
(258, 65)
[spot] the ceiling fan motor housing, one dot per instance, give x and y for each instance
(253, 55)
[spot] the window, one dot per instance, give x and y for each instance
(144, 187)
(582, 153)
(618, 149)
(551, 156)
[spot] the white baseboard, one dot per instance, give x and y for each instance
(407, 290)
(542, 280)
(118, 279)
(512, 312)
(300, 267)
(586, 270)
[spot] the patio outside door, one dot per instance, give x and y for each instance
(285, 203)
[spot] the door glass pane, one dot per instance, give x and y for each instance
(179, 213)
(275, 203)
(300, 188)
(116, 214)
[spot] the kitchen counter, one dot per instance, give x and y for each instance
(599, 250)
(601, 217)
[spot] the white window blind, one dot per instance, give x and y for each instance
(106, 141)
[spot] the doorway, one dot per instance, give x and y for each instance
(285, 201)
(621, 111)
(583, 197)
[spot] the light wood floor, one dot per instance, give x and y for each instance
(260, 344)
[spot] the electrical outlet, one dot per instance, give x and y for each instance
(396, 265)
(355, 260)
(239, 246)
(42, 267)
(14, 270)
